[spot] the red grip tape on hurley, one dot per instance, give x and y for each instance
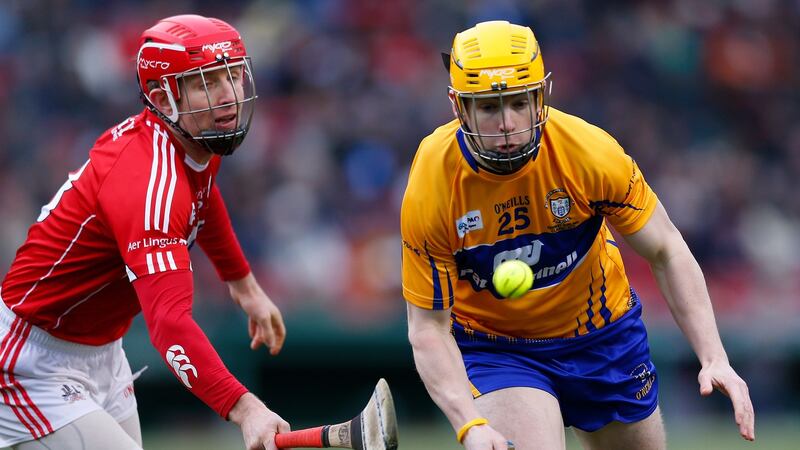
(311, 437)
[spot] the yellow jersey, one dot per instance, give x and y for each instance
(459, 222)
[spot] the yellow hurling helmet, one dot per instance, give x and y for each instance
(500, 90)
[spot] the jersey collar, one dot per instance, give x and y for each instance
(468, 156)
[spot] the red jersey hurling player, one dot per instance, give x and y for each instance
(115, 240)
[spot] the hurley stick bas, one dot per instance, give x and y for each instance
(374, 428)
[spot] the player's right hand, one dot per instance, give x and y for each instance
(484, 437)
(265, 323)
(258, 423)
(721, 376)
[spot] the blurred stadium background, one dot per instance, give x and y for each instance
(704, 94)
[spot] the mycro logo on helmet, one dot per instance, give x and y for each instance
(218, 46)
(147, 64)
(507, 72)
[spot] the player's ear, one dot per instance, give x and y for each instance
(158, 97)
(452, 96)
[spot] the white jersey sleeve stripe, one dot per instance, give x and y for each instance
(131, 276)
(171, 260)
(71, 178)
(173, 179)
(53, 267)
(153, 172)
(160, 259)
(159, 206)
(150, 269)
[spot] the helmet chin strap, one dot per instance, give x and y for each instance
(498, 164)
(221, 143)
(209, 140)
(506, 166)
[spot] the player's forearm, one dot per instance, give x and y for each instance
(439, 364)
(245, 286)
(682, 283)
(193, 360)
(166, 300)
(248, 404)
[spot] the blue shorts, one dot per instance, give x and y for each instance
(598, 378)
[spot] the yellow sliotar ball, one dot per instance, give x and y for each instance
(512, 279)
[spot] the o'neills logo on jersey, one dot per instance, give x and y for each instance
(470, 221)
(558, 202)
(218, 46)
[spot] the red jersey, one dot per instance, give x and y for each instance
(132, 210)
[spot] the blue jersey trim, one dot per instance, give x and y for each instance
(438, 299)
(465, 151)
(603, 308)
(451, 297)
(589, 313)
(614, 243)
(548, 347)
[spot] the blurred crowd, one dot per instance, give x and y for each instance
(705, 94)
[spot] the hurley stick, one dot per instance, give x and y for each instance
(374, 428)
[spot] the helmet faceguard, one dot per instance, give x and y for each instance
(500, 93)
(202, 66)
(237, 73)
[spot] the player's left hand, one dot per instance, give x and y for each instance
(265, 323)
(722, 377)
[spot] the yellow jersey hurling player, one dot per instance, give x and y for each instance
(513, 178)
